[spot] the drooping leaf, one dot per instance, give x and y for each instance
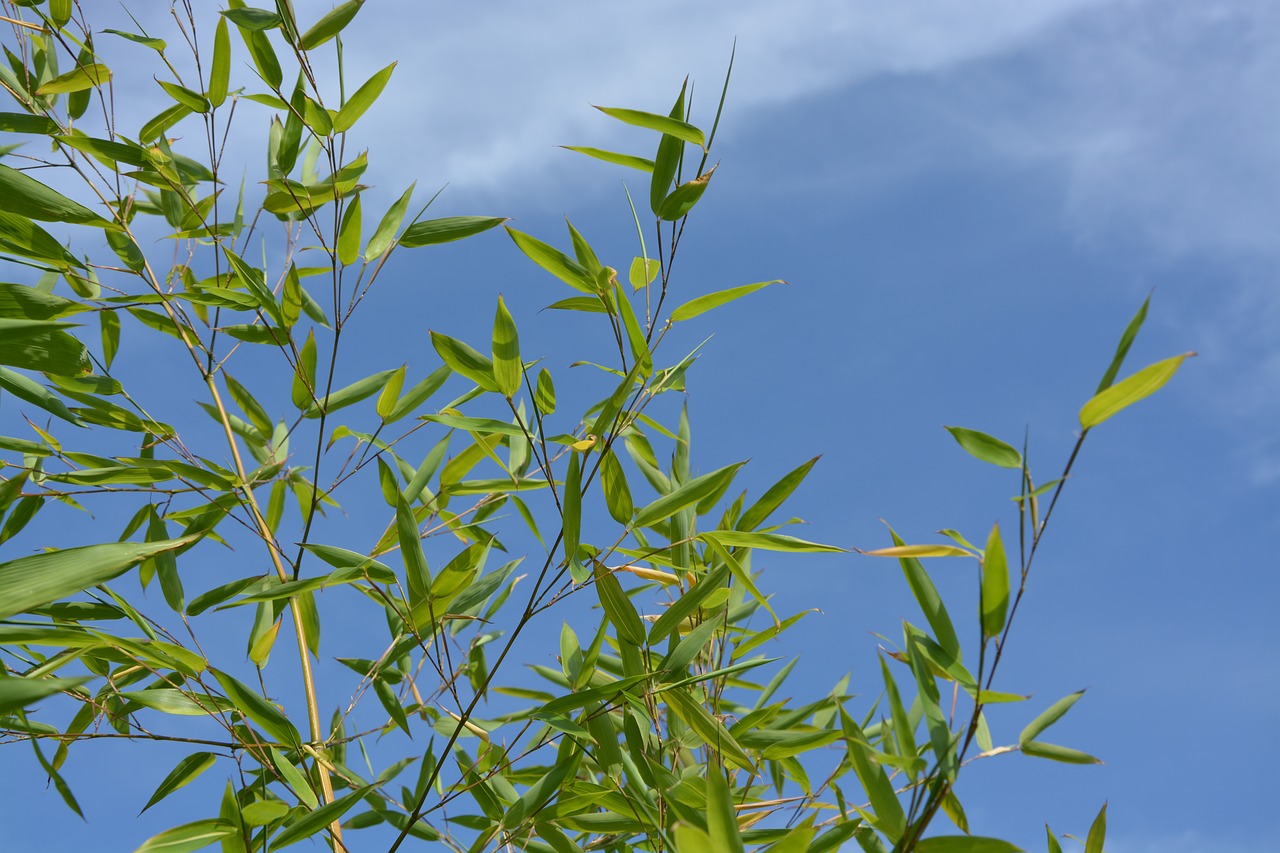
(984, 447)
(553, 261)
(25, 196)
(44, 578)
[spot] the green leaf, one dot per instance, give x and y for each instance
(1122, 349)
(618, 607)
(706, 302)
(253, 279)
(553, 261)
(687, 495)
(350, 113)
(544, 395)
(1053, 752)
(40, 579)
(926, 595)
(684, 197)
(708, 729)
(302, 391)
(253, 706)
(251, 19)
(1130, 390)
(17, 693)
(571, 516)
(189, 837)
(349, 234)
(995, 585)
(40, 345)
(890, 818)
(314, 822)
(964, 844)
(418, 576)
(984, 447)
(193, 101)
(353, 393)
(27, 123)
(220, 70)
(20, 236)
(722, 821)
(617, 495)
(686, 605)
(76, 80)
(418, 394)
(759, 512)
(1050, 716)
(666, 125)
(642, 273)
(465, 361)
(667, 161)
(185, 772)
(508, 370)
(917, 551)
(628, 160)
(161, 122)
(432, 231)
(25, 196)
(155, 44)
(1097, 832)
(769, 542)
(329, 25)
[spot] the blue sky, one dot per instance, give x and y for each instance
(969, 201)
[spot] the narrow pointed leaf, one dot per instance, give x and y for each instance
(464, 360)
(984, 447)
(186, 771)
(1050, 716)
(1053, 752)
(189, 837)
(769, 542)
(359, 102)
(508, 371)
(44, 578)
(553, 261)
(995, 585)
(330, 24)
(708, 301)
(25, 196)
(433, 231)
(1097, 832)
(1130, 390)
(77, 80)
(687, 495)
(615, 158)
(663, 124)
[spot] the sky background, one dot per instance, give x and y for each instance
(969, 202)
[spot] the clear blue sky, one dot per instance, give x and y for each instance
(969, 201)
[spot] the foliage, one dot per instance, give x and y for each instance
(661, 729)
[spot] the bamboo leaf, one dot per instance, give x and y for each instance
(433, 231)
(618, 607)
(508, 370)
(964, 844)
(189, 837)
(25, 196)
(76, 80)
(687, 495)
(44, 578)
(353, 393)
(1050, 716)
(628, 160)
(768, 542)
(330, 24)
(220, 69)
(185, 772)
(708, 301)
(465, 361)
(553, 261)
(917, 551)
(1053, 752)
(256, 708)
(666, 125)
(359, 102)
(984, 447)
(995, 585)
(1097, 832)
(1130, 390)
